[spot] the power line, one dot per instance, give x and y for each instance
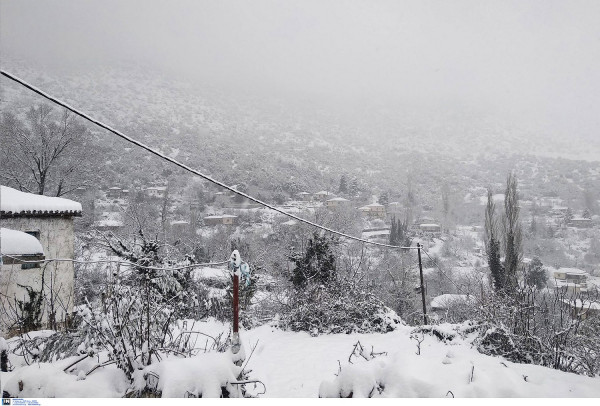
(442, 272)
(185, 167)
(118, 262)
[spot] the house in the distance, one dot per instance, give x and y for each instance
(430, 228)
(224, 219)
(49, 220)
(582, 309)
(114, 192)
(373, 210)
(109, 221)
(337, 202)
(581, 222)
(156, 192)
(322, 196)
(304, 196)
(572, 280)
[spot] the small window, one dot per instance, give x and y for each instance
(36, 234)
(30, 265)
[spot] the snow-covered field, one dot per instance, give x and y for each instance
(292, 364)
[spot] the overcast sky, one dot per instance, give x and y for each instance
(541, 57)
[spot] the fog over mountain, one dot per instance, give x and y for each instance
(531, 66)
(299, 198)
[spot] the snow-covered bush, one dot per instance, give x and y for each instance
(337, 308)
(320, 300)
(206, 375)
(542, 327)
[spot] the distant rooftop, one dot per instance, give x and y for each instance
(572, 271)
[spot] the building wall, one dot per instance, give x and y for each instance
(57, 239)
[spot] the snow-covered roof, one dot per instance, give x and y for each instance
(13, 242)
(114, 188)
(323, 192)
(159, 188)
(303, 193)
(374, 205)
(220, 217)
(16, 203)
(428, 225)
(443, 301)
(175, 222)
(108, 223)
(583, 305)
(338, 199)
(572, 271)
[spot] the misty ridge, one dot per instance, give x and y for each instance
(410, 197)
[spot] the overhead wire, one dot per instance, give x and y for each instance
(99, 261)
(186, 167)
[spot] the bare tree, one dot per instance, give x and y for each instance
(42, 154)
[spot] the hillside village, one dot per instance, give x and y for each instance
(299, 199)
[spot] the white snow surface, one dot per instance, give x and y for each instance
(447, 299)
(13, 242)
(294, 364)
(15, 201)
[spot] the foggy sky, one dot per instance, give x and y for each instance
(529, 57)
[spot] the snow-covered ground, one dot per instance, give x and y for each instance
(293, 364)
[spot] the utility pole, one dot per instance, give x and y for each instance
(419, 246)
(236, 345)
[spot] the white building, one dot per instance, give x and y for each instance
(322, 195)
(225, 219)
(21, 265)
(373, 210)
(337, 202)
(49, 220)
(156, 191)
(573, 280)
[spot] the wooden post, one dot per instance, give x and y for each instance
(235, 261)
(236, 303)
(422, 285)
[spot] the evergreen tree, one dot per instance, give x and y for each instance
(399, 233)
(384, 198)
(315, 264)
(513, 248)
(568, 216)
(393, 231)
(353, 187)
(586, 214)
(536, 274)
(343, 185)
(492, 243)
(533, 227)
